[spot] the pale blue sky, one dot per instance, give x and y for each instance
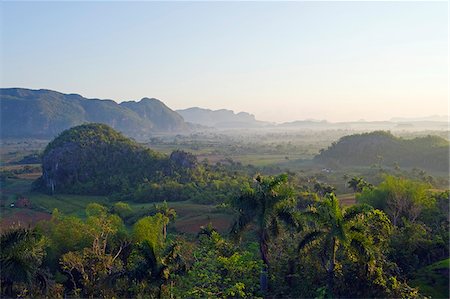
(278, 60)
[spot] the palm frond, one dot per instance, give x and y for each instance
(310, 238)
(290, 218)
(242, 221)
(311, 214)
(149, 254)
(340, 234)
(274, 227)
(361, 245)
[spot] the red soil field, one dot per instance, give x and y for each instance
(24, 218)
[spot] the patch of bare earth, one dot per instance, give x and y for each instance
(221, 223)
(23, 218)
(347, 199)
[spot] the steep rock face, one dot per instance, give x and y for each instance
(45, 113)
(95, 159)
(159, 113)
(59, 166)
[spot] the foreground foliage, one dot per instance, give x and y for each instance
(287, 241)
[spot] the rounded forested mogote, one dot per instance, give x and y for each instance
(95, 159)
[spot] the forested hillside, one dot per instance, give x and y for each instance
(94, 159)
(380, 147)
(27, 113)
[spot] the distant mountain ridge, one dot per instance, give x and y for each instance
(27, 113)
(45, 113)
(438, 118)
(221, 118)
(367, 125)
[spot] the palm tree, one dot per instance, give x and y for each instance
(333, 228)
(207, 230)
(354, 183)
(156, 268)
(168, 214)
(268, 203)
(323, 189)
(358, 184)
(22, 252)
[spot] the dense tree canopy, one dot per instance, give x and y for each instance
(286, 249)
(380, 147)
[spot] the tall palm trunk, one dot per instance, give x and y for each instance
(263, 249)
(330, 270)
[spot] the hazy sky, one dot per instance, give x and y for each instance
(281, 61)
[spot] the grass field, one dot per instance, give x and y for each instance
(67, 204)
(347, 199)
(11, 187)
(190, 216)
